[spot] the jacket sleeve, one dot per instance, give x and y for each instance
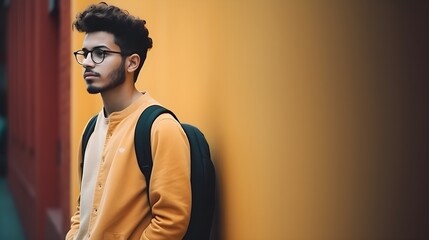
(170, 186)
(75, 223)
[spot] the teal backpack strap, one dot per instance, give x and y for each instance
(142, 136)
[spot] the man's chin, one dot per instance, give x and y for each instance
(93, 90)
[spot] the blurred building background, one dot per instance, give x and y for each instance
(316, 112)
(3, 120)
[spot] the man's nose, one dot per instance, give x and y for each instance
(87, 62)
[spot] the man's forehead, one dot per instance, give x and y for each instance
(99, 39)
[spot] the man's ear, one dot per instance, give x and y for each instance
(133, 62)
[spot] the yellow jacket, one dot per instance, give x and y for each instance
(120, 208)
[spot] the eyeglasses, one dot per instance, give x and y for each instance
(97, 55)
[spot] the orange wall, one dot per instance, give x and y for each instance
(299, 102)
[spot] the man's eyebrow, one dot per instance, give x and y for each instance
(96, 47)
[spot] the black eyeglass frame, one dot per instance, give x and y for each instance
(85, 53)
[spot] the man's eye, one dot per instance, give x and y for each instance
(98, 53)
(83, 53)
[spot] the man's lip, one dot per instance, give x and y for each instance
(89, 74)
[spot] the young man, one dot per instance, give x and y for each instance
(113, 202)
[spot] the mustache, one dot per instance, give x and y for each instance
(92, 72)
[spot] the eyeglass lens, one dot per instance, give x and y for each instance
(97, 55)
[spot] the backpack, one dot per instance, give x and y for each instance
(202, 168)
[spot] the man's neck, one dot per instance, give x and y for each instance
(118, 100)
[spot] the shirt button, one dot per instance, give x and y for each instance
(99, 186)
(95, 211)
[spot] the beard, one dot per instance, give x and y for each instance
(116, 78)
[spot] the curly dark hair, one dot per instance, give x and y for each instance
(130, 32)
